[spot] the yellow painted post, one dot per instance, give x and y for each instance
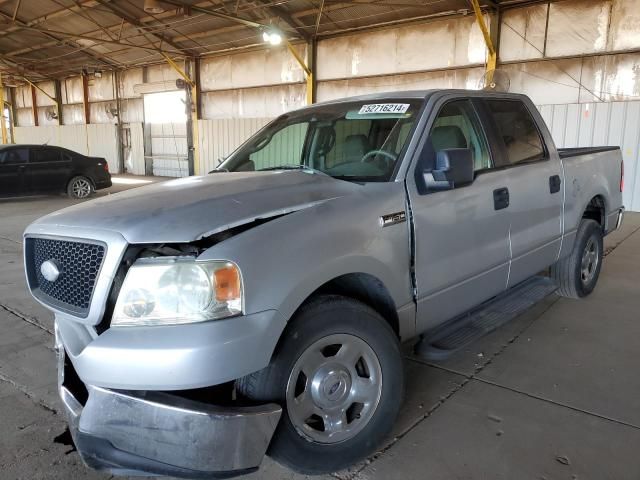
(492, 58)
(194, 111)
(4, 123)
(196, 134)
(307, 71)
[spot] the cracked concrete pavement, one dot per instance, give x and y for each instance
(552, 394)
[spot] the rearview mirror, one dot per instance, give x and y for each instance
(454, 168)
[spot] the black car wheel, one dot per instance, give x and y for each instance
(80, 187)
(338, 374)
(577, 274)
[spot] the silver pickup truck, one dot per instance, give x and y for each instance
(205, 321)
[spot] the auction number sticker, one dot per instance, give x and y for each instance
(384, 108)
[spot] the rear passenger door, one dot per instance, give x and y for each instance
(535, 189)
(49, 169)
(13, 162)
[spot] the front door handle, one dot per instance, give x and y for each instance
(554, 184)
(500, 198)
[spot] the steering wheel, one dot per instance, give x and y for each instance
(390, 156)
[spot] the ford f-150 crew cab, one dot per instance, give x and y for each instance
(205, 321)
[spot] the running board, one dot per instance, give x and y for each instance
(444, 341)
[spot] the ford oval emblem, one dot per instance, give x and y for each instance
(50, 270)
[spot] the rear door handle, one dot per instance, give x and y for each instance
(554, 184)
(500, 198)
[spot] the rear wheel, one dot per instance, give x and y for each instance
(80, 187)
(338, 374)
(577, 274)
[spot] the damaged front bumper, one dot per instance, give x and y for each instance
(157, 433)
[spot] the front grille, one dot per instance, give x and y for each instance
(79, 265)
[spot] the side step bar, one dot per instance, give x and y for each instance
(445, 340)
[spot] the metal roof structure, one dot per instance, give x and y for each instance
(42, 39)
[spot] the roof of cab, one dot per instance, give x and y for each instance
(411, 94)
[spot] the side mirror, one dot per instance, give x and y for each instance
(454, 168)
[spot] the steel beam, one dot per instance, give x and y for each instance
(34, 105)
(85, 99)
(493, 54)
(138, 24)
(4, 123)
(58, 90)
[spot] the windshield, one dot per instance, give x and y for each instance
(359, 141)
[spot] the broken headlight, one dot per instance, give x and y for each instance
(178, 290)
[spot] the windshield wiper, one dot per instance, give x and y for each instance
(292, 167)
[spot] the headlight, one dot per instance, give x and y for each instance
(174, 290)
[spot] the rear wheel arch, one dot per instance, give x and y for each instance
(596, 210)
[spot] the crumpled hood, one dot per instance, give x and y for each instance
(191, 208)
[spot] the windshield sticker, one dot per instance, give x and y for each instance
(384, 108)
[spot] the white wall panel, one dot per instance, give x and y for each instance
(134, 155)
(522, 33)
(610, 78)
(23, 96)
(24, 117)
(102, 88)
(73, 114)
(258, 102)
(460, 78)
(163, 73)
(72, 90)
(41, 99)
(597, 124)
(132, 110)
(103, 142)
(270, 66)
(625, 25)
(128, 79)
(45, 114)
(546, 82)
(218, 138)
(94, 140)
(98, 112)
(459, 42)
(578, 26)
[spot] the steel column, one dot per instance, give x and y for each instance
(34, 104)
(4, 123)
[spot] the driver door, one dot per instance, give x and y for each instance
(461, 234)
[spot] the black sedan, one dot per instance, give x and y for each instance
(32, 169)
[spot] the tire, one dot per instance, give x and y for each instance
(80, 187)
(577, 274)
(321, 326)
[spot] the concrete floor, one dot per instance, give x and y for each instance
(551, 395)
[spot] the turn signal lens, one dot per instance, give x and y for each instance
(227, 283)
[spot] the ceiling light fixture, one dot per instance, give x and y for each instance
(272, 37)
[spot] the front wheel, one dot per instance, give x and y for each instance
(338, 374)
(577, 274)
(79, 187)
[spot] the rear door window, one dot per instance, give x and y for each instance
(44, 155)
(15, 156)
(517, 129)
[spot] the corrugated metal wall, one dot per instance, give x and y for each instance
(218, 138)
(100, 140)
(594, 124)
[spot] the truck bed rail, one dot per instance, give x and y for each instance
(574, 152)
